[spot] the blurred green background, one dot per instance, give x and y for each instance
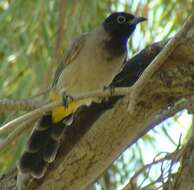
(33, 39)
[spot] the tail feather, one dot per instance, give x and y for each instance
(30, 161)
(42, 147)
(38, 139)
(57, 130)
(50, 151)
(40, 169)
(44, 123)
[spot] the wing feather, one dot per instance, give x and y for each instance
(71, 54)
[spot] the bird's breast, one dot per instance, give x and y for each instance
(91, 70)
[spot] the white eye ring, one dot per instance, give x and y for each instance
(121, 19)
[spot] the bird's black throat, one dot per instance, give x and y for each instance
(116, 45)
(120, 26)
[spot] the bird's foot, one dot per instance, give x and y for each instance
(67, 99)
(109, 88)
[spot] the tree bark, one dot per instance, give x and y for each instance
(101, 132)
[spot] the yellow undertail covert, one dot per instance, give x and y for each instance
(59, 113)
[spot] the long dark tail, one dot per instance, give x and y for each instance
(42, 147)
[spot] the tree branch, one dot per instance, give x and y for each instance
(159, 60)
(25, 119)
(18, 105)
(45, 108)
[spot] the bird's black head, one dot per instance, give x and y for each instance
(120, 26)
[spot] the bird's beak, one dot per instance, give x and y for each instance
(137, 20)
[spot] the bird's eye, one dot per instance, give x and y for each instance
(121, 19)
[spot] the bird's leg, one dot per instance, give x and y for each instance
(109, 88)
(67, 99)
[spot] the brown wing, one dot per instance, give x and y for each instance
(71, 54)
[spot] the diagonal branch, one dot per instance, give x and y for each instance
(27, 118)
(159, 60)
(18, 105)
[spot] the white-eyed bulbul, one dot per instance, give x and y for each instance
(91, 63)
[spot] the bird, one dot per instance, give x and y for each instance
(91, 62)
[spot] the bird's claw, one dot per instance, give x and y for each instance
(67, 99)
(109, 88)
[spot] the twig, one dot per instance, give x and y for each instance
(170, 175)
(25, 119)
(158, 61)
(47, 107)
(16, 133)
(171, 156)
(18, 105)
(24, 104)
(33, 114)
